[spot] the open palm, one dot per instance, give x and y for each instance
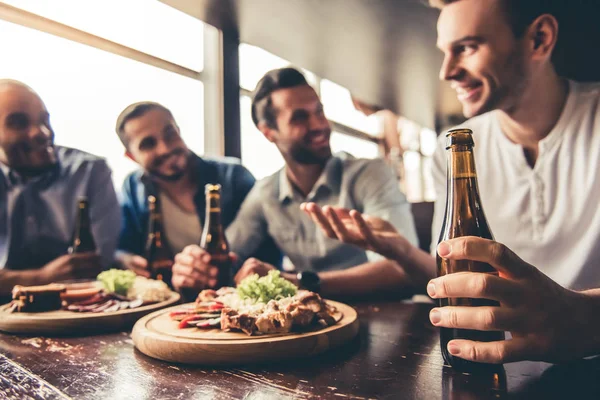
(350, 226)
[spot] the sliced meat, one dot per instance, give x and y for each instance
(231, 319)
(274, 322)
(301, 315)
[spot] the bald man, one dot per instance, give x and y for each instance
(40, 184)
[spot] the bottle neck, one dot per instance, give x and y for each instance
(461, 163)
(155, 219)
(213, 212)
(461, 177)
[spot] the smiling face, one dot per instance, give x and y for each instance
(154, 142)
(484, 61)
(26, 137)
(303, 131)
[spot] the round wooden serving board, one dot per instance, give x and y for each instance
(75, 323)
(157, 336)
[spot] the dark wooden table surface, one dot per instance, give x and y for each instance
(395, 356)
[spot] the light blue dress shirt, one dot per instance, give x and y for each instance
(272, 209)
(37, 217)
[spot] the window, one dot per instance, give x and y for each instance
(255, 62)
(419, 145)
(85, 88)
(259, 155)
(359, 148)
(151, 27)
(338, 106)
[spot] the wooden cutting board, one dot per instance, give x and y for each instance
(157, 336)
(75, 323)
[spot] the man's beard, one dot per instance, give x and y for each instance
(506, 96)
(305, 156)
(33, 159)
(175, 176)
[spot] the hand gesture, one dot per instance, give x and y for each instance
(366, 232)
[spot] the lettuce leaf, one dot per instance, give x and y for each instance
(269, 287)
(117, 281)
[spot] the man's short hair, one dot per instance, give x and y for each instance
(262, 106)
(133, 111)
(520, 13)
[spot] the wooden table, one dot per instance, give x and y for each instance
(396, 356)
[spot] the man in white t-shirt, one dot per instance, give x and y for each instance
(537, 151)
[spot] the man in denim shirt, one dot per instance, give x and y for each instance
(176, 177)
(40, 185)
(289, 113)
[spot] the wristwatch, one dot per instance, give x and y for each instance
(309, 280)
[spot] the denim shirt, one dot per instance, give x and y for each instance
(235, 180)
(37, 216)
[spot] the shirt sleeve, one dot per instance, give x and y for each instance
(132, 235)
(243, 182)
(104, 212)
(380, 196)
(439, 180)
(248, 231)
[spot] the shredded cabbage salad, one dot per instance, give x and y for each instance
(117, 281)
(269, 287)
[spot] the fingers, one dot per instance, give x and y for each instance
(364, 229)
(182, 281)
(478, 318)
(139, 262)
(233, 257)
(191, 277)
(319, 218)
(200, 262)
(477, 286)
(195, 251)
(488, 251)
(336, 224)
(250, 267)
(499, 352)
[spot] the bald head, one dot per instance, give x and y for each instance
(26, 138)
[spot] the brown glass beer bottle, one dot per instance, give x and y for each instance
(213, 236)
(464, 216)
(83, 240)
(157, 252)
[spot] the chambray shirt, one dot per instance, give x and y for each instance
(37, 217)
(272, 209)
(235, 180)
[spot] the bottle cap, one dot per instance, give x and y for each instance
(459, 137)
(212, 188)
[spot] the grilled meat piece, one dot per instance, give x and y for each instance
(231, 319)
(38, 298)
(301, 315)
(274, 322)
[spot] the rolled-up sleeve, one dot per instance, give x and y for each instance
(105, 213)
(381, 197)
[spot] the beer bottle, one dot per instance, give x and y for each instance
(83, 240)
(213, 236)
(157, 252)
(463, 217)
